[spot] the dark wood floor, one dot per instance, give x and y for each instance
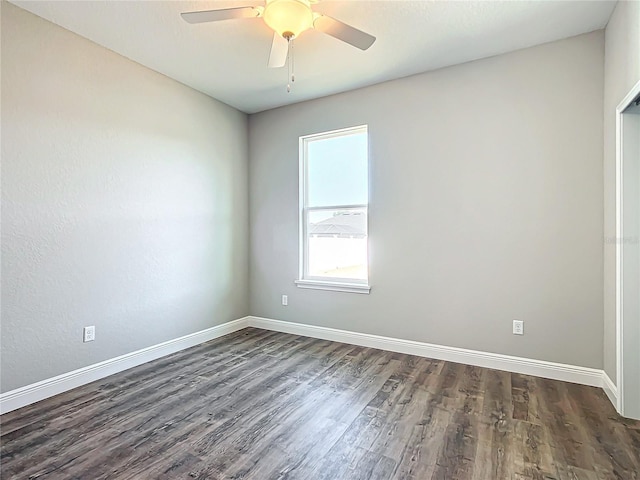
(264, 405)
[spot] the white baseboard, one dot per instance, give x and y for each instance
(35, 392)
(527, 366)
(610, 389)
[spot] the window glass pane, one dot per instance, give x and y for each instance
(337, 171)
(337, 242)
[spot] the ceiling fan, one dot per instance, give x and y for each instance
(288, 19)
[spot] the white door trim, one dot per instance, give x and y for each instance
(624, 104)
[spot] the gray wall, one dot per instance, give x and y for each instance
(486, 205)
(621, 73)
(124, 204)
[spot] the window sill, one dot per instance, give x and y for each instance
(334, 286)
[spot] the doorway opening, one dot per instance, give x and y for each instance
(628, 254)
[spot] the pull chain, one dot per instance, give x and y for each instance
(293, 63)
(289, 65)
(291, 77)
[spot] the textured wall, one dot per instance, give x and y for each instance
(124, 204)
(621, 73)
(486, 205)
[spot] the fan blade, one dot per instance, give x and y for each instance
(279, 51)
(344, 32)
(218, 15)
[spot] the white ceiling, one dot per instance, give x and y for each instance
(228, 60)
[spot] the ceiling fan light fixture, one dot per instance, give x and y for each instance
(288, 18)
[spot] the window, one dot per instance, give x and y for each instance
(334, 199)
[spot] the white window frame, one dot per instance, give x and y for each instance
(325, 283)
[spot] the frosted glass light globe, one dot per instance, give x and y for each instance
(288, 18)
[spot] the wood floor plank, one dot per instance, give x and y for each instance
(335, 409)
(259, 405)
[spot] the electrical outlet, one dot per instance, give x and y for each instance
(285, 300)
(518, 327)
(89, 334)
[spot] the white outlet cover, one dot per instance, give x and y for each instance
(285, 300)
(89, 334)
(518, 327)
